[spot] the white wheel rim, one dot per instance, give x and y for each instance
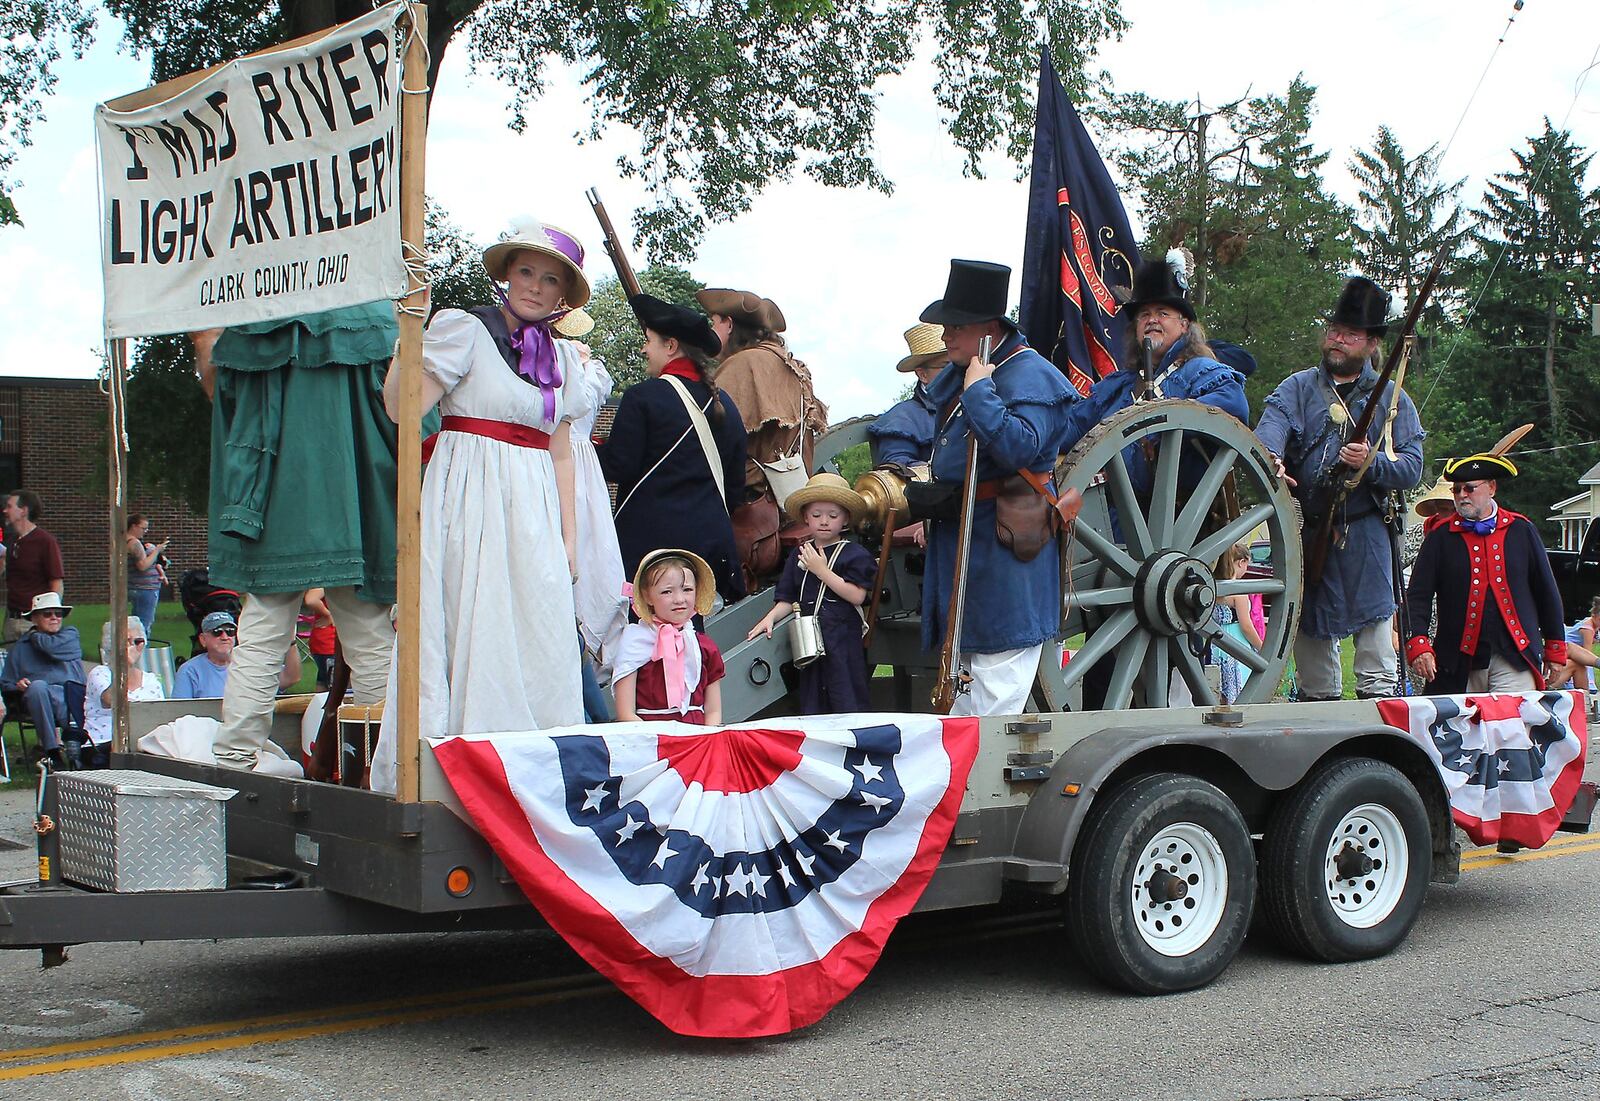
(1366, 865)
(1187, 854)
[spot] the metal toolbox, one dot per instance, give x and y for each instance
(124, 830)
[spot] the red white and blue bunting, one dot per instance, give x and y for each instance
(736, 882)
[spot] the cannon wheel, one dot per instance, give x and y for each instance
(1145, 598)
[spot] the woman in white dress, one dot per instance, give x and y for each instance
(499, 643)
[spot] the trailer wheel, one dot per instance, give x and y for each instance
(1344, 865)
(1162, 885)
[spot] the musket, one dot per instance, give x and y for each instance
(1336, 481)
(884, 552)
(952, 681)
(1147, 371)
(614, 249)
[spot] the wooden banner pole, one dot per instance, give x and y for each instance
(413, 150)
(117, 458)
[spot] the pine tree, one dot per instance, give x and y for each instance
(1405, 216)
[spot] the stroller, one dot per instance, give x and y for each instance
(200, 598)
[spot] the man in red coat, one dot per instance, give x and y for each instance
(1500, 623)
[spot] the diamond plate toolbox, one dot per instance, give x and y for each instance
(124, 830)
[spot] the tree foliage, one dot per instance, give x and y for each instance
(32, 34)
(726, 96)
(616, 338)
(1405, 216)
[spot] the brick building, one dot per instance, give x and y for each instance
(52, 442)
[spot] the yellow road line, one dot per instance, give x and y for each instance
(303, 1032)
(1554, 843)
(415, 1001)
(1505, 859)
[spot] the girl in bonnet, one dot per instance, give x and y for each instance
(666, 669)
(499, 647)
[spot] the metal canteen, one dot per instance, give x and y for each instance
(805, 640)
(884, 490)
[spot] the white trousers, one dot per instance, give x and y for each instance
(266, 631)
(1000, 682)
(1502, 674)
(1316, 663)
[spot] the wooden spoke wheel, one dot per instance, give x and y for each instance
(1144, 551)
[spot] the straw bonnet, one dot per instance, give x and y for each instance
(743, 306)
(1481, 467)
(49, 602)
(926, 343)
(574, 324)
(705, 583)
(535, 236)
(826, 487)
(1436, 502)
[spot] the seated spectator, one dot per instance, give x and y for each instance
(324, 636)
(46, 666)
(96, 749)
(205, 677)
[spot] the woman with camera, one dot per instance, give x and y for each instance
(146, 571)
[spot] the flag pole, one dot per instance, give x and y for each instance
(408, 511)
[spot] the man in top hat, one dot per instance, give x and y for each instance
(46, 666)
(1500, 623)
(1306, 423)
(904, 434)
(1015, 406)
(1183, 363)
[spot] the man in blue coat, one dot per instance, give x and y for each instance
(1016, 407)
(1306, 424)
(1185, 365)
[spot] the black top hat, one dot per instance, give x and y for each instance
(976, 292)
(685, 325)
(1158, 283)
(1362, 305)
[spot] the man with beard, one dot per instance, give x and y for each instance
(1500, 624)
(1306, 424)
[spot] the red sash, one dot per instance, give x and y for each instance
(521, 435)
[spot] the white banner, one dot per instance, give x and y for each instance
(268, 189)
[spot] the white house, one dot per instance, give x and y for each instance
(1574, 513)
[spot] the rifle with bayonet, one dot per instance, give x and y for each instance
(951, 681)
(614, 249)
(1326, 499)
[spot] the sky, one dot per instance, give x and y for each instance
(852, 269)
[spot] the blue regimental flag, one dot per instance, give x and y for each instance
(1079, 244)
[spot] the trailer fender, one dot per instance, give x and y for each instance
(1253, 764)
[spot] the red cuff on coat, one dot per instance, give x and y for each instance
(1555, 651)
(1417, 647)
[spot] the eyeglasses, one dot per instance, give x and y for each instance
(1345, 336)
(136, 642)
(1465, 489)
(229, 631)
(51, 615)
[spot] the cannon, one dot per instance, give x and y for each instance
(1138, 566)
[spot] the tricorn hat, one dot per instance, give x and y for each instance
(926, 344)
(531, 235)
(742, 306)
(1362, 305)
(975, 292)
(705, 582)
(1478, 468)
(1160, 283)
(826, 486)
(679, 322)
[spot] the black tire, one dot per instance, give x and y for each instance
(1365, 906)
(1205, 837)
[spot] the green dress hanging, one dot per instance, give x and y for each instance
(303, 456)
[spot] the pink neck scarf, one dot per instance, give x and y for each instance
(669, 651)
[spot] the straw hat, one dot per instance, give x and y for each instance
(926, 343)
(1436, 502)
(743, 306)
(547, 240)
(705, 583)
(574, 324)
(826, 487)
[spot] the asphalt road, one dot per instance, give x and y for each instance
(1495, 995)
